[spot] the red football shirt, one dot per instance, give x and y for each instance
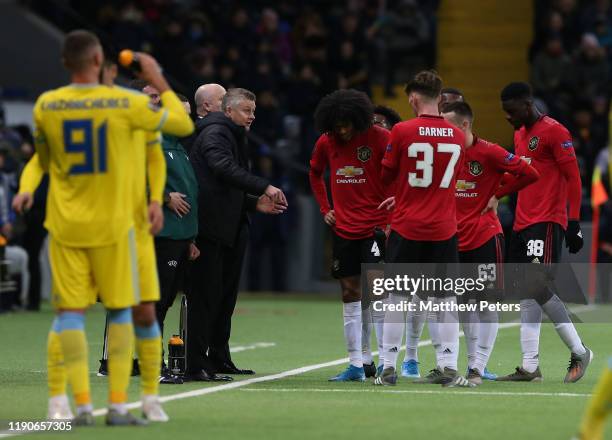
(477, 181)
(546, 146)
(356, 186)
(423, 158)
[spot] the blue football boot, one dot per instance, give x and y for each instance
(352, 373)
(410, 369)
(487, 375)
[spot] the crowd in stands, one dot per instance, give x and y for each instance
(24, 235)
(571, 61)
(571, 70)
(293, 52)
(289, 52)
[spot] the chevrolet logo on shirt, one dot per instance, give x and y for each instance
(349, 171)
(462, 185)
(526, 159)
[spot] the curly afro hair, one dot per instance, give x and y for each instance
(344, 107)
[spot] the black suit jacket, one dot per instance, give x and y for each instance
(227, 188)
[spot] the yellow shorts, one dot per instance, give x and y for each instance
(82, 274)
(147, 265)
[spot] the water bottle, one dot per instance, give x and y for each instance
(176, 355)
(129, 60)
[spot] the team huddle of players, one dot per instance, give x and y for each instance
(431, 180)
(101, 146)
(433, 186)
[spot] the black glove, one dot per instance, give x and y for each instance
(573, 237)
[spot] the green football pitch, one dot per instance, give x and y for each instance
(295, 343)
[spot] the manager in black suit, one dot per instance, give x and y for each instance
(227, 192)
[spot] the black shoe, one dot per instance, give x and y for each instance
(448, 377)
(438, 377)
(205, 376)
(522, 375)
(432, 377)
(369, 369)
(103, 370)
(170, 379)
(230, 368)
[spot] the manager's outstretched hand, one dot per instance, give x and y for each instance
(267, 205)
(276, 194)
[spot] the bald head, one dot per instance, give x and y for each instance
(208, 98)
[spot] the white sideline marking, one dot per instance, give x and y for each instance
(288, 373)
(387, 391)
(254, 346)
(246, 382)
(268, 378)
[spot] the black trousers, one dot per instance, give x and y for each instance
(211, 301)
(33, 240)
(172, 264)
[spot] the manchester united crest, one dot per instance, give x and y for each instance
(364, 153)
(475, 168)
(533, 143)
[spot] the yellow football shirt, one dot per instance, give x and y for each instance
(149, 166)
(31, 176)
(147, 149)
(81, 134)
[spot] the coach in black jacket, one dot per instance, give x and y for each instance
(227, 191)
